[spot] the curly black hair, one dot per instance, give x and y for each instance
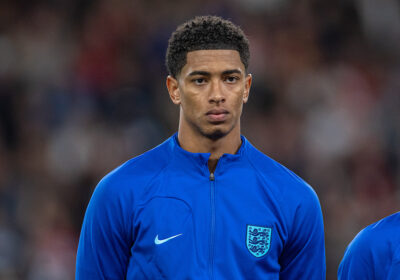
(204, 33)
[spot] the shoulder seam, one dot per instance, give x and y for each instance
(257, 170)
(259, 173)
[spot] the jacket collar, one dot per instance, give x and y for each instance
(200, 160)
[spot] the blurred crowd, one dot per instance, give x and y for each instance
(82, 89)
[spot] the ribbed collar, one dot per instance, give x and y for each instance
(200, 160)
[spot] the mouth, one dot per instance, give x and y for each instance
(217, 115)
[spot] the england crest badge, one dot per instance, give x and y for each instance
(258, 240)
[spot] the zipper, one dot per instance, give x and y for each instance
(212, 227)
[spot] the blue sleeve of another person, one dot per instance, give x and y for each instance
(357, 260)
(374, 253)
(104, 244)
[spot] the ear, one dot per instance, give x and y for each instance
(247, 86)
(173, 90)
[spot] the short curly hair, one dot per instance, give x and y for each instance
(205, 33)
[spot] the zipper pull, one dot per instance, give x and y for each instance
(212, 177)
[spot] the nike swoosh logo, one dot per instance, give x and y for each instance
(161, 241)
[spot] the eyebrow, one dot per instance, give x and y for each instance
(205, 73)
(201, 73)
(233, 71)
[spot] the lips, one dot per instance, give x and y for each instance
(217, 115)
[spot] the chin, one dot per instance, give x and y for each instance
(216, 133)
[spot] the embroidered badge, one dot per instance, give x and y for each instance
(258, 240)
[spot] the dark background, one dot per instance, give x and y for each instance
(82, 89)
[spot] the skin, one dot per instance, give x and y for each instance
(210, 90)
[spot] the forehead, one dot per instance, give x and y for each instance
(212, 60)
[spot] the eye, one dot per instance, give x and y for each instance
(231, 79)
(199, 81)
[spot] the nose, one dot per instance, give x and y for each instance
(216, 94)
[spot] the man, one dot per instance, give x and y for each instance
(205, 204)
(374, 253)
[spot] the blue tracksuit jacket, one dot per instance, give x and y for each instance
(374, 254)
(162, 215)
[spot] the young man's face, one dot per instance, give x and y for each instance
(211, 89)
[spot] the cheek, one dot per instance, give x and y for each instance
(236, 92)
(191, 104)
(239, 100)
(238, 106)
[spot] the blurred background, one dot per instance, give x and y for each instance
(82, 89)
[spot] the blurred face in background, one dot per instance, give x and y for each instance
(211, 90)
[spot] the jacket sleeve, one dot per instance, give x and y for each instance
(106, 239)
(394, 270)
(356, 262)
(303, 255)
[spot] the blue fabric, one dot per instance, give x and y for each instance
(374, 253)
(167, 191)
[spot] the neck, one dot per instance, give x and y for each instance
(196, 143)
